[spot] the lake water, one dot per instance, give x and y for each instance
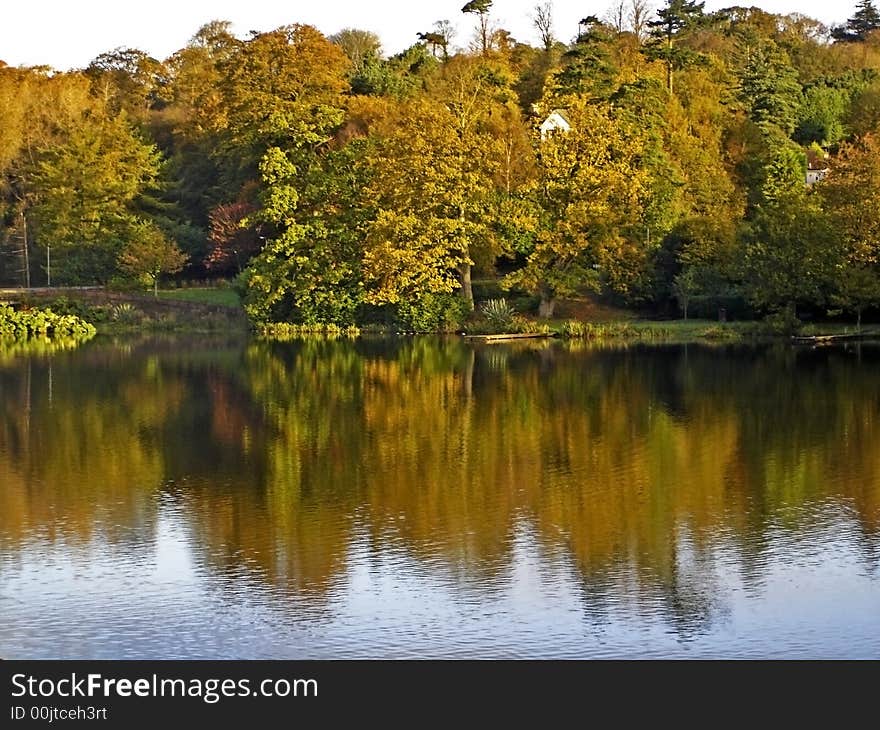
(196, 498)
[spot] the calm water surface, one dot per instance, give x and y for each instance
(425, 498)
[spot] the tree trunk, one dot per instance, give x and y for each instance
(156, 286)
(546, 307)
(685, 309)
(859, 320)
(467, 289)
(24, 249)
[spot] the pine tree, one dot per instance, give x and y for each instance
(865, 20)
(677, 16)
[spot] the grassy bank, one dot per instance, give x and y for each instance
(646, 330)
(224, 297)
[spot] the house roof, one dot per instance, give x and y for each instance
(562, 114)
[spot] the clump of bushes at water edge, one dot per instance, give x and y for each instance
(34, 323)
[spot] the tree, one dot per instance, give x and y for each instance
(150, 254)
(435, 41)
(542, 19)
(435, 172)
(87, 190)
(851, 194)
(481, 8)
(587, 67)
(361, 46)
(280, 89)
(789, 255)
(769, 88)
(672, 21)
(684, 287)
(309, 271)
(591, 191)
(864, 21)
(821, 116)
(135, 81)
(638, 18)
(234, 238)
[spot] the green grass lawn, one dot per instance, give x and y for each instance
(215, 297)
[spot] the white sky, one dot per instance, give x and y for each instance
(70, 33)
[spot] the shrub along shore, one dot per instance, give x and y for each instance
(74, 316)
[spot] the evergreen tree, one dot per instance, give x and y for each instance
(677, 17)
(865, 20)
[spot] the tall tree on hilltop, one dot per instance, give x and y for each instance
(542, 19)
(361, 46)
(865, 20)
(677, 17)
(481, 8)
(587, 67)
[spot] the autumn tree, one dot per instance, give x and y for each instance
(280, 89)
(591, 190)
(851, 193)
(434, 177)
(131, 79)
(234, 238)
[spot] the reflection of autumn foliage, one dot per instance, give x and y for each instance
(233, 245)
(628, 465)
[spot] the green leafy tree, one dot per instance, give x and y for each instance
(149, 255)
(822, 115)
(309, 271)
(769, 89)
(87, 191)
(789, 255)
(587, 67)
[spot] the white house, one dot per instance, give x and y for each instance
(817, 166)
(815, 174)
(557, 121)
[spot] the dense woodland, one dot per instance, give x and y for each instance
(338, 185)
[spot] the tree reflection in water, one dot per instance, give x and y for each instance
(638, 470)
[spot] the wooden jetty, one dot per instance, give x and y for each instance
(832, 339)
(486, 339)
